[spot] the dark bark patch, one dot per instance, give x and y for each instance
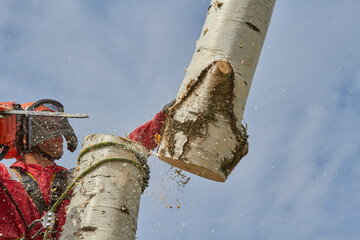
(124, 209)
(205, 31)
(219, 4)
(241, 150)
(253, 27)
(216, 4)
(88, 229)
(208, 11)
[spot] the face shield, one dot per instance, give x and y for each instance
(42, 128)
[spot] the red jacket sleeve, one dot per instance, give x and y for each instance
(145, 134)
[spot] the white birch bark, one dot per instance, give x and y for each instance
(105, 203)
(203, 133)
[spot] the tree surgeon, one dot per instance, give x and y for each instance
(31, 185)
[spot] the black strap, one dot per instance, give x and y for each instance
(4, 151)
(33, 190)
(58, 186)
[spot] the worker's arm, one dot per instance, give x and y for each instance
(147, 133)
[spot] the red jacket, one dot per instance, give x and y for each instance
(11, 223)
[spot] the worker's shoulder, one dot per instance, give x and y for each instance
(7, 174)
(58, 168)
(4, 174)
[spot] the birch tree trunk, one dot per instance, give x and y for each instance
(203, 133)
(105, 203)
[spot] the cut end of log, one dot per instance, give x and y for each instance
(204, 163)
(195, 169)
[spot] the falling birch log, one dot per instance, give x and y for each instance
(105, 203)
(203, 133)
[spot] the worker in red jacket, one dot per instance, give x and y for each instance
(34, 182)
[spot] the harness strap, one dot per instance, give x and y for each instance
(58, 186)
(33, 190)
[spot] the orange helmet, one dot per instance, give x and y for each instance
(40, 108)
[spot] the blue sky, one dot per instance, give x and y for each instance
(121, 61)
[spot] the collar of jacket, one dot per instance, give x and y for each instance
(26, 166)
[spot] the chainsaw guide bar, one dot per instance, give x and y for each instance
(48, 114)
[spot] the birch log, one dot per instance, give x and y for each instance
(105, 203)
(203, 133)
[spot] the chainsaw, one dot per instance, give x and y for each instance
(16, 122)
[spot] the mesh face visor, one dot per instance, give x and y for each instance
(42, 128)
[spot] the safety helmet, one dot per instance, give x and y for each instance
(37, 129)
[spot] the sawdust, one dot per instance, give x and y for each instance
(171, 185)
(179, 177)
